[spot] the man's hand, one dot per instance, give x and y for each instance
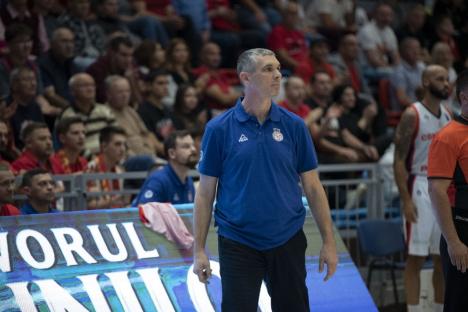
(201, 267)
(410, 212)
(329, 257)
(458, 253)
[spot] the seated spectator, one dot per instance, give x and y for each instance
(172, 184)
(444, 31)
(38, 186)
(258, 14)
(89, 36)
(112, 142)
(149, 55)
(23, 102)
(71, 134)
(331, 18)
(179, 66)
(320, 92)
(294, 89)
(413, 26)
(107, 12)
(17, 11)
(8, 151)
(95, 116)
(140, 141)
(37, 148)
(188, 113)
(118, 60)
(152, 111)
(288, 41)
(347, 66)
(228, 33)
(379, 43)
(219, 93)
(441, 54)
(49, 11)
(57, 67)
(7, 188)
(318, 60)
(405, 80)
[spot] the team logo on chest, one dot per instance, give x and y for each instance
(277, 135)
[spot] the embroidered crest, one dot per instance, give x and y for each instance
(277, 135)
(148, 194)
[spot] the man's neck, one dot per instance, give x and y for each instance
(40, 207)
(17, 61)
(155, 101)
(180, 170)
(84, 106)
(71, 154)
(22, 100)
(58, 58)
(293, 103)
(109, 163)
(432, 104)
(257, 105)
(321, 101)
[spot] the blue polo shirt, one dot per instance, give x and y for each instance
(258, 166)
(164, 186)
(27, 209)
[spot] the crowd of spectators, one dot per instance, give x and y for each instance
(87, 85)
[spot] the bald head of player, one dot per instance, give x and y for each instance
(435, 82)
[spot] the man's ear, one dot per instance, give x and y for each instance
(171, 153)
(244, 77)
(26, 190)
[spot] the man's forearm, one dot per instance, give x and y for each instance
(202, 219)
(401, 176)
(320, 209)
(443, 212)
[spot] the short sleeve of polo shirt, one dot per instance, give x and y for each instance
(442, 158)
(152, 192)
(306, 156)
(210, 162)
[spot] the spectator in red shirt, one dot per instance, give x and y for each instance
(37, 148)
(112, 141)
(7, 184)
(288, 41)
(294, 89)
(118, 60)
(71, 133)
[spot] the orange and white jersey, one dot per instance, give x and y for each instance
(427, 125)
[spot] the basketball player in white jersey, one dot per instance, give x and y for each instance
(418, 125)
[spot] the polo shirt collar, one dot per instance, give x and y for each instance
(174, 175)
(242, 116)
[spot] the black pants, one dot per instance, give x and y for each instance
(456, 282)
(283, 268)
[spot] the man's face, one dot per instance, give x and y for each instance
(85, 88)
(80, 8)
(20, 5)
(438, 84)
(74, 138)
(41, 189)
(267, 76)
(322, 86)
(384, 15)
(21, 46)
(118, 95)
(123, 57)
(116, 148)
(40, 143)
(160, 86)
(3, 136)
(212, 55)
(412, 52)
(110, 8)
(25, 84)
(350, 47)
(184, 153)
(63, 45)
(295, 90)
(7, 185)
(319, 51)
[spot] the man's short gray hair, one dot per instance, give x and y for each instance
(110, 80)
(247, 60)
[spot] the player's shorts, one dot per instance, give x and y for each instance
(423, 237)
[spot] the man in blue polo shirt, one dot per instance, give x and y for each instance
(39, 186)
(252, 159)
(172, 184)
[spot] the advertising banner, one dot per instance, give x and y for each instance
(108, 260)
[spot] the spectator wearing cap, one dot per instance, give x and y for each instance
(118, 60)
(39, 187)
(7, 187)
(112, 143)
(17, 11)
(71, 133)
(318, 60)
(95, 116)
(57, 67)
(37, 148)
(140, 141)
(89, 36)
